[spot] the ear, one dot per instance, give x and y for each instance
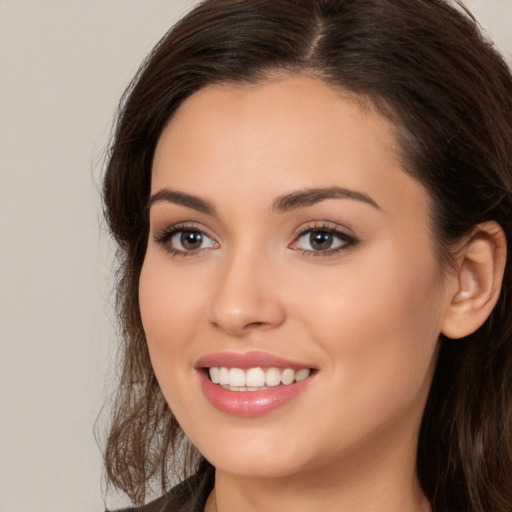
(477, 284)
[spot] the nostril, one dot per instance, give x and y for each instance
(255, 324)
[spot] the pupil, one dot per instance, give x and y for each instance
(191, 240)
(320, 240)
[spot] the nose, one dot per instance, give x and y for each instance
(246, 298)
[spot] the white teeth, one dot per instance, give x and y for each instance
(223, 376)
(255, 379)
(273, 377)
(302, 374)
(288, 376)
(215, 375)
(236, 377)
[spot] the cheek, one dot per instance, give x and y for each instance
(379, 325)
(169, 310)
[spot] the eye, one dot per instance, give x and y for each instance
(323, 241)
(185, 240)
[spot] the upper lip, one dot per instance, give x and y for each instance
(245, 360)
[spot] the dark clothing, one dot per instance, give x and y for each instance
(189, 496)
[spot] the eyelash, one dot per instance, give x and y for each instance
(163, 238)
(349, 241)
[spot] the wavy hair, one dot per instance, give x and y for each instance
(425, 65)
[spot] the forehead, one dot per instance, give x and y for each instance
(291, 133)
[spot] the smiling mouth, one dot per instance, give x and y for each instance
(257, 378)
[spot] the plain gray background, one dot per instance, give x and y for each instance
(64, 65)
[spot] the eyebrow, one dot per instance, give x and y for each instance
(190, 201)
(288, 202)
(310, 196)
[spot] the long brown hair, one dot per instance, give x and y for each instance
(423, 64)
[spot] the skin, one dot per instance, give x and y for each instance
(367, 317)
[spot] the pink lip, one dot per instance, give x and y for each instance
(248, 403)
(247, 360)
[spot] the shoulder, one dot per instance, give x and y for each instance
(159, 505)
(188, 496)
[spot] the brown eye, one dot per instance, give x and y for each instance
(191, 240)
(320, 240)
(185, 241)
(317, 241)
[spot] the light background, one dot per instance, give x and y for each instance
(63, 67)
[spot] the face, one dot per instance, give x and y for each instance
(290, 257)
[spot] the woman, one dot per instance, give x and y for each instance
(313, 202)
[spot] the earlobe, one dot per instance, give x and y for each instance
(478, 281)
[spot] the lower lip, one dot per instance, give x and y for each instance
(250, 403)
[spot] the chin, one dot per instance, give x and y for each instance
(255, 456)
(258, 466)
